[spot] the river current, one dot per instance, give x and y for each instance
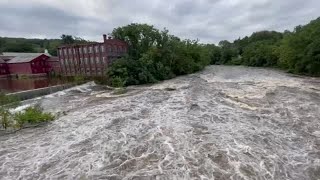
(222, 123)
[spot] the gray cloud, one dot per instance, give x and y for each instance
(207, 20)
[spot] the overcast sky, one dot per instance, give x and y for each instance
(207, 20)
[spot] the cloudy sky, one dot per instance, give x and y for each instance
(207, 20)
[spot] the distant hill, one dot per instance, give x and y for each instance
(9, 44)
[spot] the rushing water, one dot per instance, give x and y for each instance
(15, 85)
(222, 123)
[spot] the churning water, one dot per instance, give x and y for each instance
(222, 123)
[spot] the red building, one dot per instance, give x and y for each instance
(91, 59)
(4, 71)
(54, 65)
(29, 63)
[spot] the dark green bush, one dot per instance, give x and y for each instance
(79, 79)
(6, 100)
(118, 82)
(5, 118)
(32, 115)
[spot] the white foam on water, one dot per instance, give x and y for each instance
(223, 123)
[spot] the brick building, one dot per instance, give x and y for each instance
(16, 63)
(29, 64)
(4, 70)
(91, 59)
(54, 64)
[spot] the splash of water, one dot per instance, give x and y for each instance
(222, 123)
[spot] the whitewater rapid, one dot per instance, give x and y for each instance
(222, 123)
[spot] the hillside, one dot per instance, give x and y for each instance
(10, 44)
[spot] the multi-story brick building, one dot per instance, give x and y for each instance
(91, 59)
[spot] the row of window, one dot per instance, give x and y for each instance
(86, 61)
(91, 49)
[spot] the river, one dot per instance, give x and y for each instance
(222, 123)
(15, 85)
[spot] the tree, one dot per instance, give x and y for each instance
(67, 39)
(259, 54)
(140, 38)
(299, 51)
(156, 55)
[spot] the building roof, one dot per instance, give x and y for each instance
(2, 61)
(23, 58)
(16, 54)
(79, 44)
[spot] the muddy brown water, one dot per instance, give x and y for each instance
(10, 85)
(222, 123)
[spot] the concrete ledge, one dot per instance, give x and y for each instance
(29, 94)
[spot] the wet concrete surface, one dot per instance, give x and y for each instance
(223, 123)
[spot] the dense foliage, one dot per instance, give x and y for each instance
(32, 115)
(297, 51)
(36, 45)
(155, 55)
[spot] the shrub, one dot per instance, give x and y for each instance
(32, 115)
(5, 118)
(118, 82)
(79, 79)
(8, 100)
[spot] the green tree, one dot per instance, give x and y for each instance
(299, 50)
(259, 54)
(156, 55)
(67, 39)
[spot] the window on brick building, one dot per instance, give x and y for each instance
(90, 49)
(102, 48)
(96, 49)
(92, 60)
(97, 60)
(115, 48)
(65, 51)
(70, 51)
(85, 50)
(109, 48)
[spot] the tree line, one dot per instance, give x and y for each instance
(8, 44)
(156, 55)
(297, 51)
